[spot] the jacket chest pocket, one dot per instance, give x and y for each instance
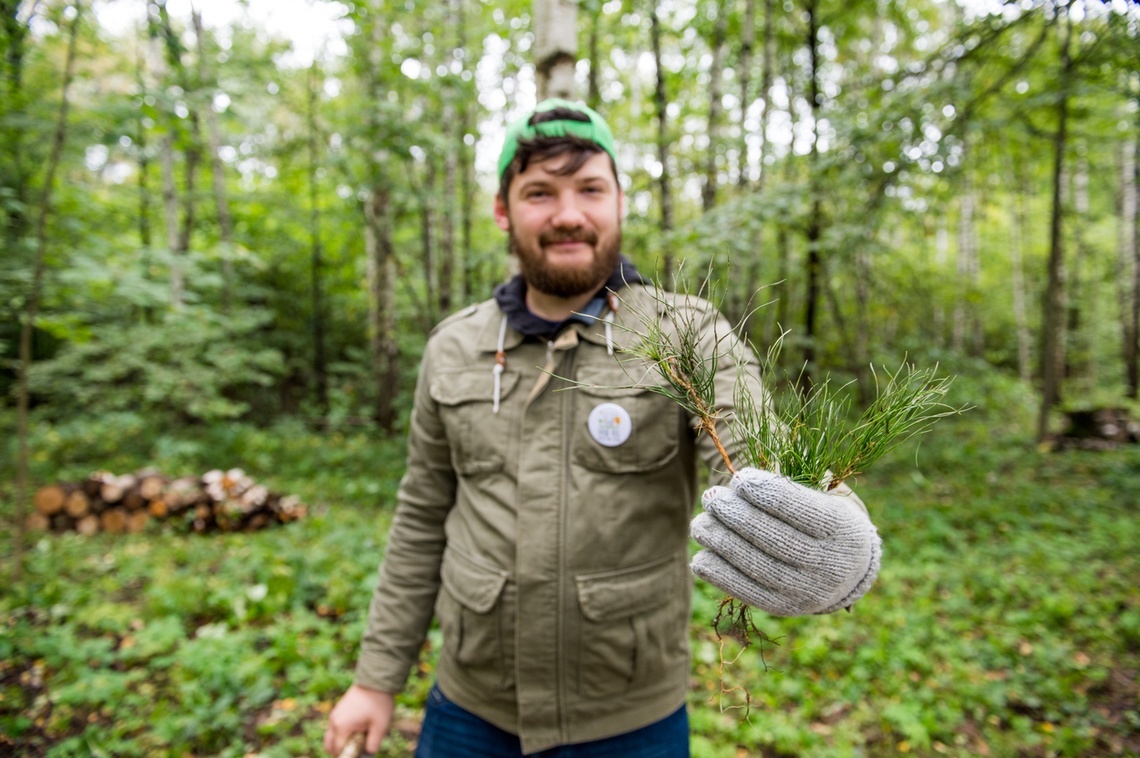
(479, 438)
(605, 403)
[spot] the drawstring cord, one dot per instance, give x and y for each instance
(501, 355)
(500, 364)
(611, 298)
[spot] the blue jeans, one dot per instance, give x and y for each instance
(450, 732)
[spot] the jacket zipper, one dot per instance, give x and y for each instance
(560, 662)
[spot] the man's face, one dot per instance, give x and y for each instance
(565, 230)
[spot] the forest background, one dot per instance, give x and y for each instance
(225, 248)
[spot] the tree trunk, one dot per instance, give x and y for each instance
(716, 80)
(555, 26)
(747, 40)
(815, 221)
(1016, 250)
(967, 270)
(316, 254)
(13, 129)
(766, 85)
(662, 104)
(225, 224)
(784, 267)
(450, 169)
(427, 235)
(381, 283)
(593, 89)
(1078, 323)
(1052, 343)
(166, 160)
(941, 254)
(466, 168)
(193, 150)
(145, 234)
(33, 300)
(1133, 369)
(380, 258)
(1127, 261)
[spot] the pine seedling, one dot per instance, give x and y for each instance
(676, 355)
(808, 438)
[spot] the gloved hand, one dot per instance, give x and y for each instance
(784, 548)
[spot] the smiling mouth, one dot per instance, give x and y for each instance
(567, 241)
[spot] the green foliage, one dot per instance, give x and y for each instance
(193, 362)
(1004, 619)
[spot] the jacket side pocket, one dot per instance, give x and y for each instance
(633, 626)
(475, 611)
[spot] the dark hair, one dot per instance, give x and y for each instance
(544, 148)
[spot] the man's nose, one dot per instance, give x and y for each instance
(567, 215)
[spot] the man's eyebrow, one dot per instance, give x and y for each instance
(534, 182)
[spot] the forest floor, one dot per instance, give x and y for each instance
(1005, 622)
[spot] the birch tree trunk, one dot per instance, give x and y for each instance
(662, 105)
(192, 152)
(1016, 251)
(166, 158)
(555, 26)
(941, 254)
(381, 298)
(27, 328)
(225, 223)
(716, 81)
(142, 146)
(1128, 261)
(1052, 342)
(1080, 363)
(967, 269)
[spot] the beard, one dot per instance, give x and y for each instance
(566, 281)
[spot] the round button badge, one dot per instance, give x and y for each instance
(610, 424)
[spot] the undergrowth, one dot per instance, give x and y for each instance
(1005, 620)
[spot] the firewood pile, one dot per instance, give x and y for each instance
(1097, 429)
(217, 501)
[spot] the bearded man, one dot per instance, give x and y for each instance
(547, 530)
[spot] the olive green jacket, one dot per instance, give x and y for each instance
(563, 562)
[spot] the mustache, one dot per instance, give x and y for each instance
(582, 235)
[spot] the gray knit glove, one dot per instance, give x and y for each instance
(784, 548)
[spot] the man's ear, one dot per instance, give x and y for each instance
(621, 203)
(501, 216)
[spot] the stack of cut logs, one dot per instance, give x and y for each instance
(228, 501)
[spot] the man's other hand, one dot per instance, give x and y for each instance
(359, 710)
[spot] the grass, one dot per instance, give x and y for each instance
(1006, 620)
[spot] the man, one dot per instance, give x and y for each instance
(548, 530)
